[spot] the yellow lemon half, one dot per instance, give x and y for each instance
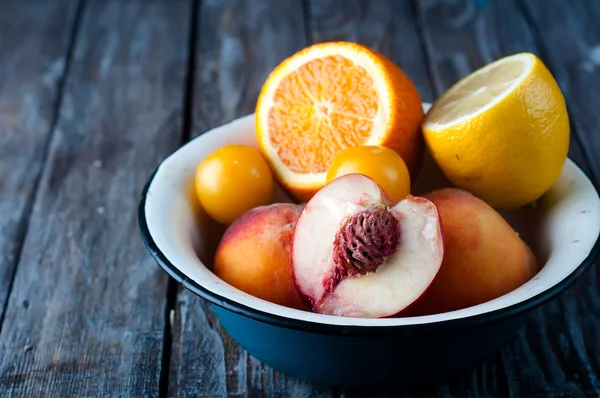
(502, 132)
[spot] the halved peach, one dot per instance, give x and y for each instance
(357, 253)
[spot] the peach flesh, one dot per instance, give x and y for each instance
(383, 280)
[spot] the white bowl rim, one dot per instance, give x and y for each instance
(244, 304)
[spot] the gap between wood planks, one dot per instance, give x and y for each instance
(75, 29)
(187, 123)
(308, 34)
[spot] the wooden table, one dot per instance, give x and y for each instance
(94, 93)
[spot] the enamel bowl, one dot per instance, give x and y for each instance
(563, 231)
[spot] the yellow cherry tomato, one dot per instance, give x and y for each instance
(232, 180)
(382, 164)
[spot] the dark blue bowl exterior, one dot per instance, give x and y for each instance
(399, 361)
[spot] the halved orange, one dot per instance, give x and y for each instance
(329, 97)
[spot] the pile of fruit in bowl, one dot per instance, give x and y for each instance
(344, 141)
(345, 208)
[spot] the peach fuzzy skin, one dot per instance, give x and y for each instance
(532, 264)
(254, 254)
(484, 258)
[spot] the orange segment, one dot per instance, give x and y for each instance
(351, 130)
(311, 75)
(327, 98)
(289, 127)
(309, 122)
(291, 93)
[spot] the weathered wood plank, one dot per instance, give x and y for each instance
(239, 42)
(30, 81)
(85, 317)
(387, 26)
(557, 351)
(570, 36)
(461, 37)
(198, 351)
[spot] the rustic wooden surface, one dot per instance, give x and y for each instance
(94, 93)
(30, 89)
(85, 314)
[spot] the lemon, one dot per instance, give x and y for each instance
(502, 132)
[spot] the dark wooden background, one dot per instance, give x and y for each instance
(94, 93)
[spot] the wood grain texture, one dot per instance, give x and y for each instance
(34, 41)
(239, 42)
(461, 37)
(85, 317)
(557, 353)
(387, 26)
(570, 36)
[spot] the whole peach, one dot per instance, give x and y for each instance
(532, 264)
(254, 254)
(484, 258)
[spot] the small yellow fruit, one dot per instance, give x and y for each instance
(232, 180)
(382, 164)
(502, 132)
